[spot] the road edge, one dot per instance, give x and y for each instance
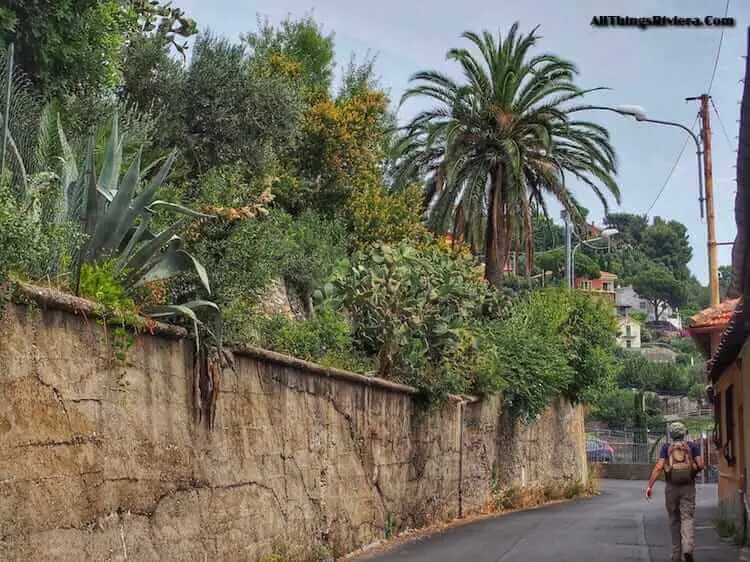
(412, 535)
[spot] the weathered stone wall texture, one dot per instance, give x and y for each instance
(100, 461)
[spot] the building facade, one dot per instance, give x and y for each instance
(709, 329)
(603, 286)
(628, 332)
(626, 297)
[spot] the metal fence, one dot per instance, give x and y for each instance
(625, 446)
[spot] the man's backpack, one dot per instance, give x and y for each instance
(679, 465)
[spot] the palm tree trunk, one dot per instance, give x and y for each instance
(495, 248)
(506, 240)
(529, 243)
(459, 229)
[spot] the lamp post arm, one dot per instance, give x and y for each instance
(698, 154)
(696, 140)
(681, 126)
(588, 244)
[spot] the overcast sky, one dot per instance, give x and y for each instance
(657, 69)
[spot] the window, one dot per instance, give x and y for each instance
(728, 449)
(643, 305)
(628, 343)
(628, 331)
(718, 424)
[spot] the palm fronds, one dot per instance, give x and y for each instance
(506, 125)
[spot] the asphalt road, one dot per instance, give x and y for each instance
(617, 526)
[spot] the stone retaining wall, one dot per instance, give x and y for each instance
(105, 461)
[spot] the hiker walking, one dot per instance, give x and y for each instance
(681, 462)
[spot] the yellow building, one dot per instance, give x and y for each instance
(720, 332)
(723, 333)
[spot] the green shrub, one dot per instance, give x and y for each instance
(589, 338)
(313, 246)
(17, 229)
(31, 246)
(100, 284)
(525, 361)
(246, 257)
(643, 374)
(697, 392)
(415, 310)
(550, 343)
(325, 338)
(619, 407)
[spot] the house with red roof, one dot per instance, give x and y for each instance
(603, 286)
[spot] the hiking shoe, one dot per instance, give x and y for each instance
(689, 557)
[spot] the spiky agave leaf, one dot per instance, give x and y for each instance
(71, 199)
(172, 263)
(190, 310)
(172, 310)
(142, 260)
(111, 226)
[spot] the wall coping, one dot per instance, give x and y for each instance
(54, 299)
(310, 367)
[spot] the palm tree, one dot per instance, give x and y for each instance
(497, 143)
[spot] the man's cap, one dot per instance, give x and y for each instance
(677, 430)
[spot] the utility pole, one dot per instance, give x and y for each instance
(713, 257)
(568, 250)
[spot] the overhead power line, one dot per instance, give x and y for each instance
(708, 91)
(718, 53)
(721, 124)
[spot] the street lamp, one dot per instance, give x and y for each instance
(639, 114)
(706, 200)
(606, 234)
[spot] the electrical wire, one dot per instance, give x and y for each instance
(718, 52)
(708, 91)
(721, 124)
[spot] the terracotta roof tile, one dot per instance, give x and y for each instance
(719, 315)
(732, 341)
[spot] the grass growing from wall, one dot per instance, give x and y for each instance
(508, 498)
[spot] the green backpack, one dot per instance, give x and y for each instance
(679, 465)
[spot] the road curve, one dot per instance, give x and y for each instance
(617, 526)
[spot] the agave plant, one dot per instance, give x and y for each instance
(116, 213)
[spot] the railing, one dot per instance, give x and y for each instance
(627, 448)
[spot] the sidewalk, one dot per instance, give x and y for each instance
(709, 546)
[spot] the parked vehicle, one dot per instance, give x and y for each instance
(598, 450)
